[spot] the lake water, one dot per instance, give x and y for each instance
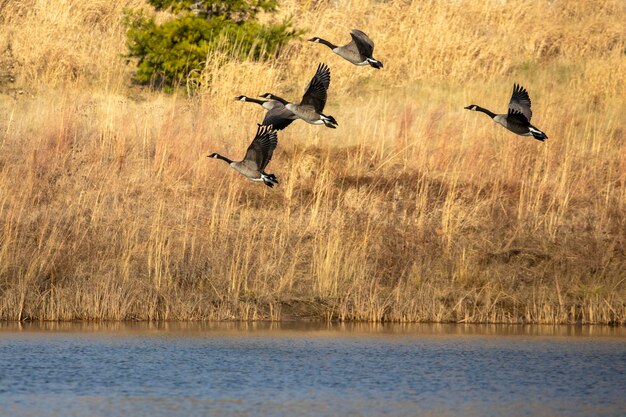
(261, 369)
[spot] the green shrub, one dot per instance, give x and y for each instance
(237, 10)
(171, 53)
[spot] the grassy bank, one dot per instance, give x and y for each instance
(412, 210)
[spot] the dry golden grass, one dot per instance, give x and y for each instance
(412, 210)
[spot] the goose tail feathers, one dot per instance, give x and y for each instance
(537, 134)
(375, 63)
(329, 121)
(269, 179)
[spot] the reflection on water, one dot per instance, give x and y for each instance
(290, 369)
(336, 329)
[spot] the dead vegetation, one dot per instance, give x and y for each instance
(412, 210)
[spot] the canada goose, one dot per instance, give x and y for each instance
(277, 115)
(358, 50)
(257, 157)
(517, 120)
(313, 101)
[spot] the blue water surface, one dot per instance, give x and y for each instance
(314, 370)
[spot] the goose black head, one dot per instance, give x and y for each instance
(472, 107)
(314, 39)
(241, 98)
(213, 155)
(266, 95)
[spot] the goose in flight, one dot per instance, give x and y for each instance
(257, 157)
(277, 115)
(517, 120)
(358, 51)
(313, 101)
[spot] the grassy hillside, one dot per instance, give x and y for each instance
(414, 209)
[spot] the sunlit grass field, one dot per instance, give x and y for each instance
(413, 209)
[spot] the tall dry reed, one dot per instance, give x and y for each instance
(412, 210)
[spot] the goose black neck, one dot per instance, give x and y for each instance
(255, 100)
(223, 158)
(280, 99)
(486, 111)
(325, 42)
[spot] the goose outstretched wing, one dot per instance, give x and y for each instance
(520, 103)
(363, 43)
(262, 147)
(315, 94)
(278, 117)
